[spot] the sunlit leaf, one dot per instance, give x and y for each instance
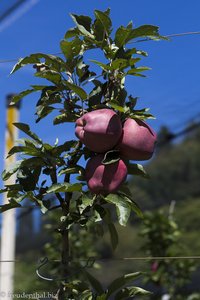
(55, 61)
(131, 292)
(123, 208)
(71, 48)
(121, 281)
(105, 20)
(137, 169)
(64, 187)
(83, 23)
(21, 95)
(26, 129)
(111, 157)
(6, 174)
(77, 89)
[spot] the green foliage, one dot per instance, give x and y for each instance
(68, 74)
(163, 240)
(124, 205)
(68, 77)
(73, 88)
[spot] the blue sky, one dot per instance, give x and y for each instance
(172, 87)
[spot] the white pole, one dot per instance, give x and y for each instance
(8, 217)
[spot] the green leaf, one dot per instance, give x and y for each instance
(6, 174)
(44, 205)
(95, 96)
(123, 208)
(64, 187)
(94, 283)
(26, 129)
(121, 281)
(64, 147)
(71, 48)
(33, 162)
(105, 20)
(122, 35)
(120, 64)
(134, 206)
(64, 118)
(113, 235)
(137, 169)
(111, 157)
(141, 114)
(102, 65)
(13, 187)
(150, 31)
(83, 23)
(123, 213)
(74, 170)
(116, 106)
(141, 52)
(50, 75)
(130, 292)
(86, 202)
(137, 70)
(43, 111)
(86, 295)
(3, 190)
(10, 205)
(131, 72)
(99, 31)
(77, 89)
(71, 33)
(52, 60)
(38, 87)
(32, 59)
(18, 97)
(25, 150)
(28, 178)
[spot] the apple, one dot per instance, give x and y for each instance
(104, 179)
(137, 141)
(99, 130)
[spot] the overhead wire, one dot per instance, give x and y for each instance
(126, 258)
(184, 131)
(168, 36)
(2, 61)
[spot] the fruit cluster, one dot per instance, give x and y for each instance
(100, 131)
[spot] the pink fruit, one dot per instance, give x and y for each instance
(137, 141)
(99, 130)
(154, 266)
(104, 179)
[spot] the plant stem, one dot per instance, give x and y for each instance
(65, 254)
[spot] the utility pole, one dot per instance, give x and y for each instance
(8, 217)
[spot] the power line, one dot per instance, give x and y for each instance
(168, 36)
(11, 9)
(15, 12)
(17, 59)
(2, 61)
(182, 34)
(124, 258)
